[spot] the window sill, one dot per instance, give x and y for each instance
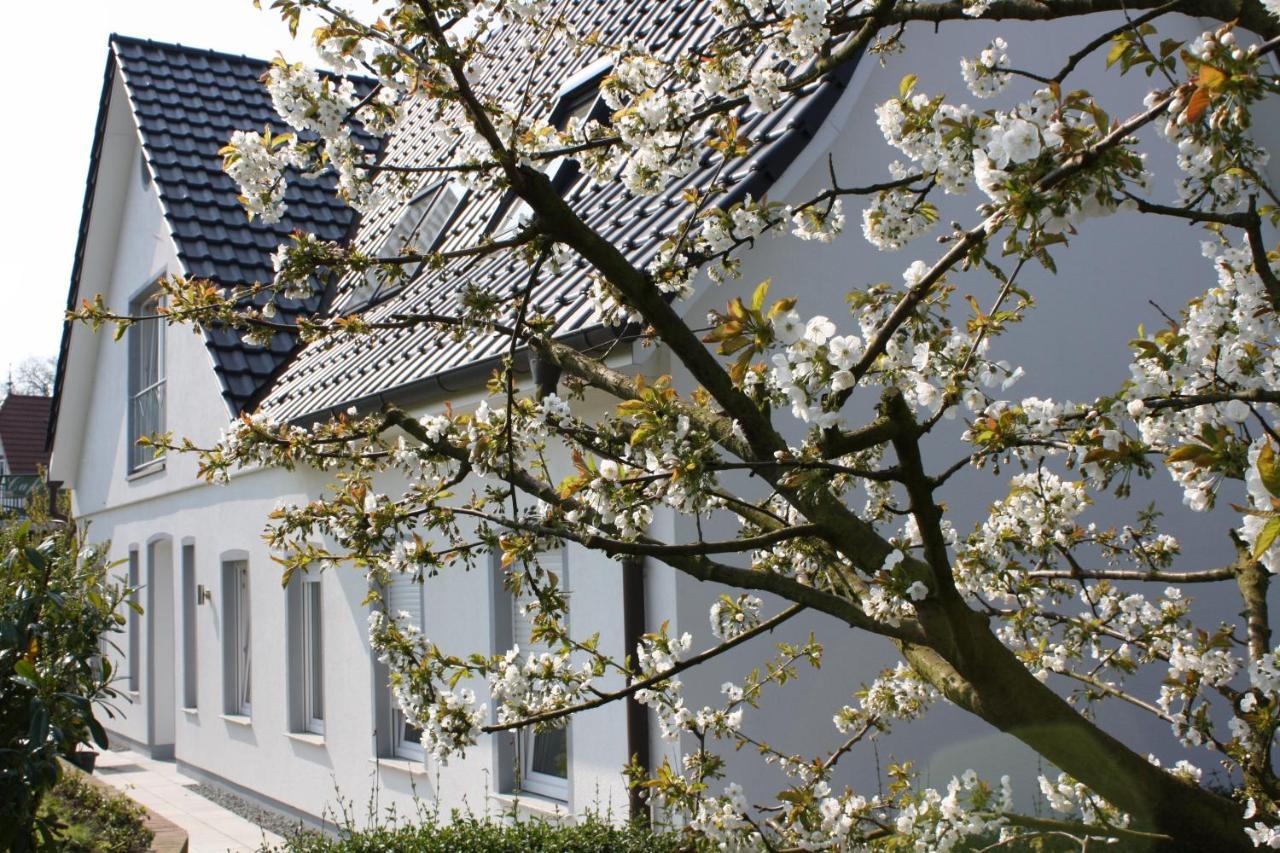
(191, 712)
(531, 804)
(306, 737)
(148, 470)
(131, 695)
(237, 719)
(411, 766)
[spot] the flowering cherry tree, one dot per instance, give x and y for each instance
(1029, 620)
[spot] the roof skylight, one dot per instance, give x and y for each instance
(418, 231)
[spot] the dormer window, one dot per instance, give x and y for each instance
(418, 231)
(513, 215)
(579, 99)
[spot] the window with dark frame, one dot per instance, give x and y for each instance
(146, 414)
(582, 102)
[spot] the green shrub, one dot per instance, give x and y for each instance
(87, 819)
(56, 607)
(488, 835)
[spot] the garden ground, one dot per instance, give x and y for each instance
(158, 786)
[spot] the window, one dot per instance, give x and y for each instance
(237, 650)
(403, 596)
(146, 379)
(306, 655)
(543, 756)
(419, 230)
(580, 100)
(581, 103)
(134, 659)
(189, 604)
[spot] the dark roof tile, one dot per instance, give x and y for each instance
(187, 102)
(24, 422)
(337, 372)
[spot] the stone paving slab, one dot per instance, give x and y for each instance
(160, 787)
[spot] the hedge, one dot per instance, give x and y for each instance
(488, 835)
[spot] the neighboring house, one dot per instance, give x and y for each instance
(274, 692)
(24, 424)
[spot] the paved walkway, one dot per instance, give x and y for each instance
(159, 787)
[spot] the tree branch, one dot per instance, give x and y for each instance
(657, 678)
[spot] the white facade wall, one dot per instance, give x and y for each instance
(161, 511)
(1074, 345)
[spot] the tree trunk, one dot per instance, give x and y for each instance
(987, 679)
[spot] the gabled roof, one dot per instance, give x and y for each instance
(187, 103)
(335, 373)
(24, 420)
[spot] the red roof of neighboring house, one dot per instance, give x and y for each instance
(24, 421)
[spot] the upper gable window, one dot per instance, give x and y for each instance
(146, 378)
(419, 230)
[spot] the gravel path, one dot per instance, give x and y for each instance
(272, 821)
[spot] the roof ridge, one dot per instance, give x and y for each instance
(184, 48)
(179, 47)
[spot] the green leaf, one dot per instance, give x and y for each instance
(757, 298)
(1188, 452)
(35, 558)
(98, 732)
(1117, 51)
(1269, 469)
(908, 83)
(26, 670)
(1268, 535)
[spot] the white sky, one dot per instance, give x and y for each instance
(50, 88)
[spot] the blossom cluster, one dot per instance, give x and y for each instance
(1220, 160)
(450, 719)
(1224, 342)
(982, 74)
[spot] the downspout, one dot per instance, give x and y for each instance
(633, 627)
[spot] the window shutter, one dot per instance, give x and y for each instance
(404, 594)
(522, 622)
(522, 616)
(244, 638)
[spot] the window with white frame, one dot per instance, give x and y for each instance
(306, 655)
(542, 756)
(146, 378)
(237, 637)
(419, 229)
(403, 597)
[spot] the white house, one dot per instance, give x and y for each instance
(274, 692)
